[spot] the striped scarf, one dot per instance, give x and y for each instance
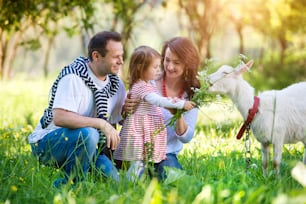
(79, 68)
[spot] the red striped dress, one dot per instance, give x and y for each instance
(143, 134)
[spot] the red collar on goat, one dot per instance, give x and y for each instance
(252, 113)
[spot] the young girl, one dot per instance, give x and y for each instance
(143, 135)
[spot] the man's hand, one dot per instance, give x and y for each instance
(130, 104)
(112, 136)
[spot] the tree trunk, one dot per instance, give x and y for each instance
(10, 55)
(241, 44)
(1, 54)
(283, 44)
(47, 55)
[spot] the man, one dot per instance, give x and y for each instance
(85, 103)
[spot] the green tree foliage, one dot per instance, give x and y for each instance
(283, 20)
(124, 19)
(281, 25)
(45, 17)
(12, 24)
(281, 55)
(203, 18)
(42, 17)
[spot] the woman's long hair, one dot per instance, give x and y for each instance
(187, 53)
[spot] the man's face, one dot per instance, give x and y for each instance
(112, 62)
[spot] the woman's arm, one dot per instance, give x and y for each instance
(181, 126)
(185, 125)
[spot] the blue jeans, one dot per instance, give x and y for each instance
(106, 167)
(74, 150)
(171, 161)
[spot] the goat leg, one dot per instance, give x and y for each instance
(304, 158)
(277, 151)
(265, 150)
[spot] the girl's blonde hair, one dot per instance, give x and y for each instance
(140, 60)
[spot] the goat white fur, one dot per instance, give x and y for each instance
(281, 116)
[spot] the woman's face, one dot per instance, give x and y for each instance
(173, 66)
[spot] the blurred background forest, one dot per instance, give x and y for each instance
(39, 37)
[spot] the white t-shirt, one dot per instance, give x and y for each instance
(74, 95)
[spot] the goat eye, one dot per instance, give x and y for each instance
(225, 72)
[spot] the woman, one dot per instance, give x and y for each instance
(180, 62)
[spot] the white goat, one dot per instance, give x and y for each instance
(281, 116)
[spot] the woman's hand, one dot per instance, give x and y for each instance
(172, 110)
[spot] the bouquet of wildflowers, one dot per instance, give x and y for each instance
(201, 96)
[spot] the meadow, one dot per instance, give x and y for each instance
(214, 162)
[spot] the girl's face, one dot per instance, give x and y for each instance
(154, 71)
(173, 66)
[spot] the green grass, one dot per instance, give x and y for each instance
(214, 162)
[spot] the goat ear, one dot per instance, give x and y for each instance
(244, 67)
(250, 63)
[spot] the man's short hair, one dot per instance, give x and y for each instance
(99, 41)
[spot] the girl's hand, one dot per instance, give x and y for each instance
(188, 105)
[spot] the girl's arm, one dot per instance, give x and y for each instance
(158, 100)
